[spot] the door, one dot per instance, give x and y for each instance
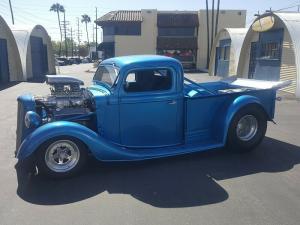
(224, 57)
(217, 58)
(150, 109)
(268, 56)
(37, 57)
(252, 61)
(45, 60)
(4, 68)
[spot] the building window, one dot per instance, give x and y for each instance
(176, 31)
(185, 55)
(225, 53)
(148, 80)
(270, 50)
(128, 29)
(122, 29)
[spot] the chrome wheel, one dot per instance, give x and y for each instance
(247, 127)
(62, 156)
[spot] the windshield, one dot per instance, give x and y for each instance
(106, 74)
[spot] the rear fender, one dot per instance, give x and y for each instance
(91, 139)
(235, 106)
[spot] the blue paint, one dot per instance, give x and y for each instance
(266, 68)
(222, 59)
(4, 68)
(187, 118)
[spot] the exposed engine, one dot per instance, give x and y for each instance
(67, 99)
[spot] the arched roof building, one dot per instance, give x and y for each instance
(271, 49)
(36, 51)
(225, 52)
(10, 62)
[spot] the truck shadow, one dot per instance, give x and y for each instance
(184, 181)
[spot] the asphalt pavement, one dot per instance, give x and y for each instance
(216, 187)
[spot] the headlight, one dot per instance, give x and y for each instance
(32, 119)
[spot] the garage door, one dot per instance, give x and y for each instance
(222, 58)
(4, 69)
(38, 57)
(45, 60)
(268, 56)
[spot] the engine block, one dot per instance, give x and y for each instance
(66, 97)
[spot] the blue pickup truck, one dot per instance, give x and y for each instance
(138, 108)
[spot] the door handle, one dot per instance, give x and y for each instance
(171, 102)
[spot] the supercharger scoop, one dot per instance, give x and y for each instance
(66, 96)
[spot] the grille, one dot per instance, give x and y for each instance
(25, 103)
(20, 124)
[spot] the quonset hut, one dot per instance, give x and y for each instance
(226, 52)
(10, 62)
(36, 52)
(271, 50)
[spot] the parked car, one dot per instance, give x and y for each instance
(65, 60)
(139, 108)
(86, 60)
(71, 60)
(59, 62)
(77, 60)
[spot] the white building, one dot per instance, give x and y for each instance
(36, 53)
(225, 52)
(10, 62)
(271, 50)
(179, 34)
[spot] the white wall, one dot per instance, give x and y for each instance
(288, 70)
(227, 18)
(144, 44)
(14, 61)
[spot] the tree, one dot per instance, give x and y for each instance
(58, 8)
(86, 19)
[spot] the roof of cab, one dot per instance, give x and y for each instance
(140, 60)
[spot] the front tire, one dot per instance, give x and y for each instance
(247, 129)
(61, 157)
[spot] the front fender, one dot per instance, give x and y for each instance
(94, 142)
(235, 106)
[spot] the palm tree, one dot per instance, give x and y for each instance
(86, 19)
(58, 8)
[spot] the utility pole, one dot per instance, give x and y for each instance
(78, 35)
(208, 40)
(65, 28)
(72, 42)
(212, 24)
(96, 32)
(93, 33)
(217, 18)
(11, 12)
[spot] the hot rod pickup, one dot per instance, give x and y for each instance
(138, 108)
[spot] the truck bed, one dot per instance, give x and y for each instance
(229, 86)
(206, 104)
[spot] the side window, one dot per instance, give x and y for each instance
(148, 80)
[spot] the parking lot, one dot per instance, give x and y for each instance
(217, 187)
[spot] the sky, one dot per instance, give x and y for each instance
(32, 12)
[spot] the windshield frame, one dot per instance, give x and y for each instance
(114, 82)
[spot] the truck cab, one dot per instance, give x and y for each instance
(144, 107)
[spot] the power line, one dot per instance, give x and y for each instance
(11, 12)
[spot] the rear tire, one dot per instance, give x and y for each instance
(247, 129)
(61, 157)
